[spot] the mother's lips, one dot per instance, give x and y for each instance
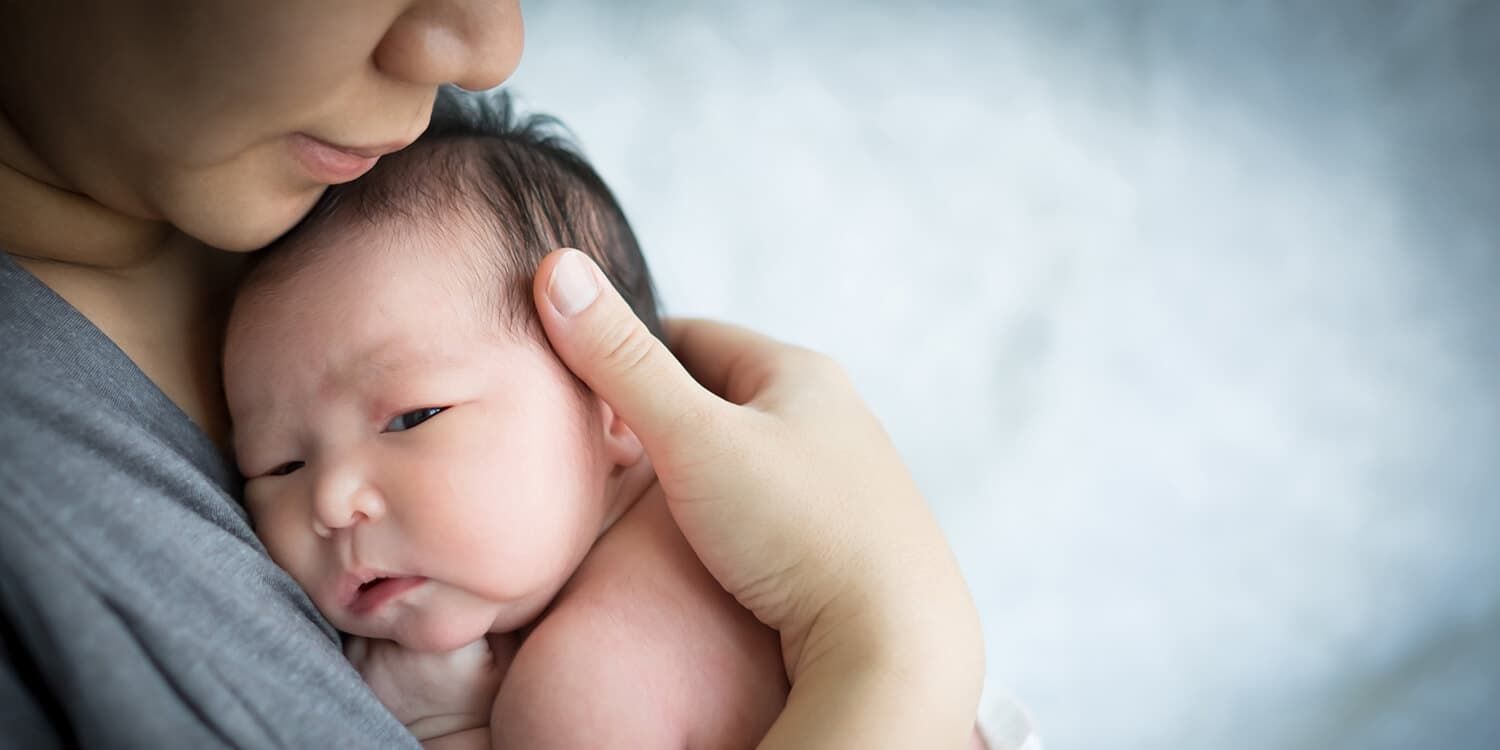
(333, 163)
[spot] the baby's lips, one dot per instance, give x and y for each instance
(377, 592)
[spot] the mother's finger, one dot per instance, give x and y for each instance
(731, 361)
(601, 340)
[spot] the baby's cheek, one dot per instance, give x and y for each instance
(285, 542)
(511, 552)
(509, 518)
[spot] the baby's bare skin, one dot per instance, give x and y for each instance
(436, 695)
(641, 648)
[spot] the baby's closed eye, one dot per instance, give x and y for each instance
(282, 470)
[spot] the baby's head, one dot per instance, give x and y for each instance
(416, 456)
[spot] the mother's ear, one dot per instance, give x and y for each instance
(621, 446)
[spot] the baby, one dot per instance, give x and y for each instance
(486, 529)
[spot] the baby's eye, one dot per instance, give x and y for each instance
(413, 418)
(286, 468)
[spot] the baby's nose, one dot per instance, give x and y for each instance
(344, 501)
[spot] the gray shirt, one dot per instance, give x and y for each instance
(137, 609)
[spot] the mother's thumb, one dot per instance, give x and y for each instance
(601, 340)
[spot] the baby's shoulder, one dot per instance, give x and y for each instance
(644, 570)
(639, 594)
(584, 681)
(642, 647)
(602, 667)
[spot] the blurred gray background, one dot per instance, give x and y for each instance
(1184, 314)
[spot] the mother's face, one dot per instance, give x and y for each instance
(227, 118)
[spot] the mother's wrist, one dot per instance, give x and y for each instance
(883, 685)
(899, 663)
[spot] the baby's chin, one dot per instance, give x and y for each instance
(441, 632)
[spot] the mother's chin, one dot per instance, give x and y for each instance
(239, 212)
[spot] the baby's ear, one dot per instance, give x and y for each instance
(621, 446)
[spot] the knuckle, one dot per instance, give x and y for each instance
(629, 348)
(823, 368)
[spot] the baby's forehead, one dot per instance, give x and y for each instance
(440, 214)
(378, 299)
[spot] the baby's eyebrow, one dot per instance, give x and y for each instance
(371, 362)
(383, 359)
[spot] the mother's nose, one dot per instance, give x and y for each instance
(343, 498)
(474, 44)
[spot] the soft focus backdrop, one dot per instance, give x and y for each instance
(1186, 316)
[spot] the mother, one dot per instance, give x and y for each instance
(137, 609)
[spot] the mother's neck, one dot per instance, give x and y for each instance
(159, 295)
(42, 219)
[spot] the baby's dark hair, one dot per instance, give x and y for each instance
(517, 181)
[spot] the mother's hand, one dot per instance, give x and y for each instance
(792, 495)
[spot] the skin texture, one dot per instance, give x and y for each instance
(208, 147)
(879, 633)
(389, 427)
(494, 500)
(133, 132)
(878, 629)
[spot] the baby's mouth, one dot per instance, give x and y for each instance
(375, 593)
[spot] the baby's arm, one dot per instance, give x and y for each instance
(468, 739)
(444, 699)
(654, 673)
(578, 682)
